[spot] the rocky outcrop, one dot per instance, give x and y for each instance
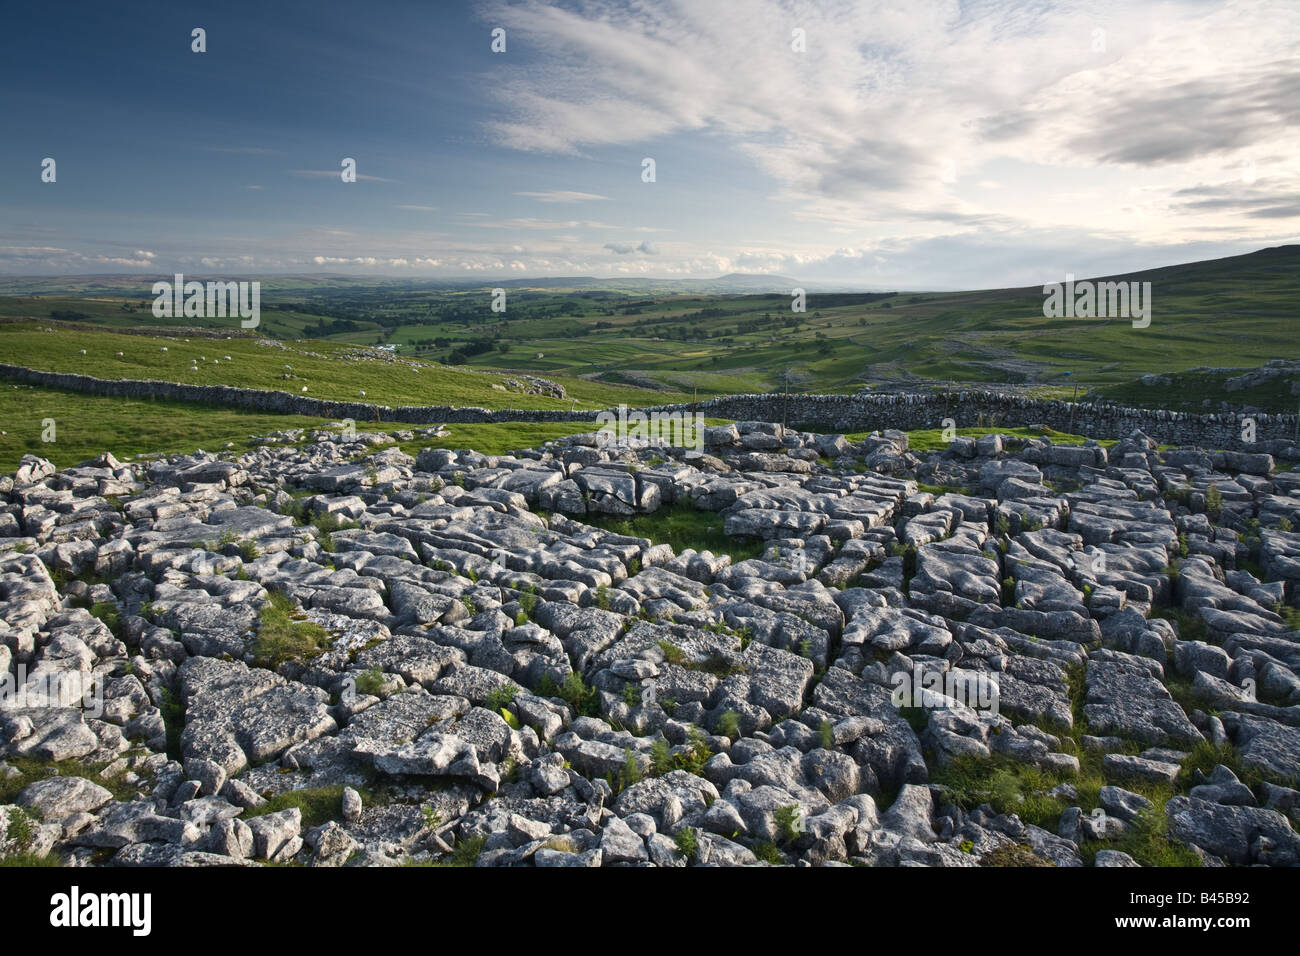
(455, 656)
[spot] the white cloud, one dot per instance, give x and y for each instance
(31, 250)
(561, 195)
(892, 108)
(337, 174)
(645, 247)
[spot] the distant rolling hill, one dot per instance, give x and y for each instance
(737, 333)
(139, 285)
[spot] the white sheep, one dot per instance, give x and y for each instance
(304, 388)
(119, 354)
(163, 349)
(362, 393)
(83, 351)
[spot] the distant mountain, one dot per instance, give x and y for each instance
(756, 282)
(736, 283)
(138, 285)
(1271, 265)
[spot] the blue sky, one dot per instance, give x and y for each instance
(907, 145)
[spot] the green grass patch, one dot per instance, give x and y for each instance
(1014, 854)
(1007, 785)
(89, 425)
(500, 438)
(688, 845)
(108, 612)
(371, 682)
(683, 526)
(173, 715)
(284, 634)
(464, 853)
(574, 691)
(768, 852)
(1191, 627)
(931, 439)
(33, 769)
(318, 804)
(692, 759)
(1205, 756)
(1147, 840)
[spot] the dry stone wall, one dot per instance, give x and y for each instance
(823, 413)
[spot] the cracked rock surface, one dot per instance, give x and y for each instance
(334, 653)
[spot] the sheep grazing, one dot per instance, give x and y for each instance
(119, 354)
(362, 393)
(83, 351)
(304, 388)
(163, 349)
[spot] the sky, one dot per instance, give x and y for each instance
(928, 144)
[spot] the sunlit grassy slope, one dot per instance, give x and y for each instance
(86, 426)
(324, 369)
(608, 344)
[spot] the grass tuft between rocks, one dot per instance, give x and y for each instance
(318, 804)
(283, 634)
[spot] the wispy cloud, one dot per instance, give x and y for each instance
(399, 262)
(337, 173)
(528, 222)
(561, 195)
(890, 109)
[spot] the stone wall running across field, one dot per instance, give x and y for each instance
(970, 408)
(822, 413)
